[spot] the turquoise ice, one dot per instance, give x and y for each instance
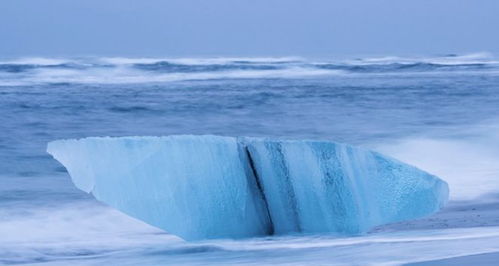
(314, 187)
(201, 187)
(193, 187)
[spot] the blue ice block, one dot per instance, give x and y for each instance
(201, 187)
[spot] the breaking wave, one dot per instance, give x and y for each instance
(122, 70)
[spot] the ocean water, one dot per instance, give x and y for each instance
(439, 113)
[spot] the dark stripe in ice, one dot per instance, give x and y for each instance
(280, 163)
(259, 186)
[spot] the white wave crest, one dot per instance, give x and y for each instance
(197, 61)
(467, 59)
(469, 164)
(39, 61)
(126, 75)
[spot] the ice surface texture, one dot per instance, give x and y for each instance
(200, 187)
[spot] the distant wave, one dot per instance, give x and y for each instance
(130, 76)
(451, 59)
(121, 70)
(39, 61)
(200, 61)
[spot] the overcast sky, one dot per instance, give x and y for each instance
(247, 27)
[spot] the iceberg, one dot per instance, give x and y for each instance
(203, 187)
